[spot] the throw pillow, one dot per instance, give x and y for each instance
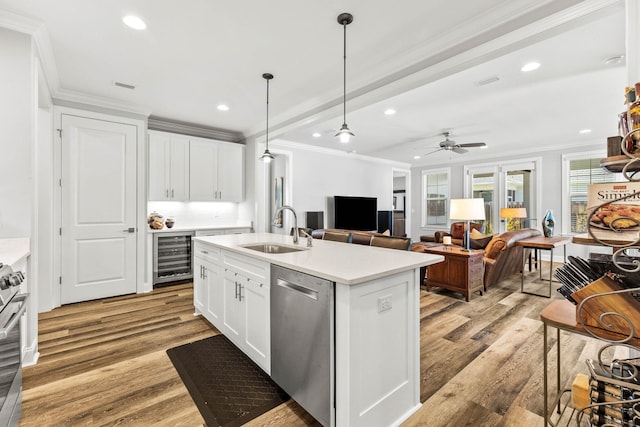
(475, 234)
(480, 243)
(386, 233)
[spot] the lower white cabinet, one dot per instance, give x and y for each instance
(233, 293)
(207, 297)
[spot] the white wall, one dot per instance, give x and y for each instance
(316, 175)
(16, 107)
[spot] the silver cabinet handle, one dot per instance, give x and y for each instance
(201, 275)
(129, 230)
(236, 297)
(204, 252)
(204, 272)
(240, 293)
(172, 193)
(166, 193)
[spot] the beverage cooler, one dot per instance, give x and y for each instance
(172, 257)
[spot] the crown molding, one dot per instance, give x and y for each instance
(184, 128)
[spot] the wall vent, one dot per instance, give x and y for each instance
(124, 85)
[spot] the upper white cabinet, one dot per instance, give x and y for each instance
(185, 168)
(217, 171)
(168, 166)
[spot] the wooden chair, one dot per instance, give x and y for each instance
(337, 236)
(401, 243)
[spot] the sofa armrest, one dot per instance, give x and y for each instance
(438, 235)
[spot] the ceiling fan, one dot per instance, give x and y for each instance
(451, 145)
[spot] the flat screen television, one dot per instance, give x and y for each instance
(355, 213)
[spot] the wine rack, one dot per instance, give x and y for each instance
(611, 313)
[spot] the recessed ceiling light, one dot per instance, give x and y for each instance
(389, 112)
(531, 66)
(223, 107)
(583, 131)
(416, 157)
(316, 135)
(134, 22)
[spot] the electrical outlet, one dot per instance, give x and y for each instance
(384, 303)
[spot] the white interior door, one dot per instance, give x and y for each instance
(98, 209)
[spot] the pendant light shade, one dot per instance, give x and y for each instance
(344, 133)
(267, 156)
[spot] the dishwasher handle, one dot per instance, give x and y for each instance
(310, 293)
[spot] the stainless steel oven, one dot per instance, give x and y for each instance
(13, 306)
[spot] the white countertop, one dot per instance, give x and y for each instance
(183, 227)
(346, 263)
(14, 250)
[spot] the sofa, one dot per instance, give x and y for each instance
(456, 232)
(502, 257)
(368, 238)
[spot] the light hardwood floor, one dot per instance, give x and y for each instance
(103, 363)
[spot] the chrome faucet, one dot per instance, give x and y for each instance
(296, 235)
(309, 238)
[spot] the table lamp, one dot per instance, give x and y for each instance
(467, 210)
(513, 213)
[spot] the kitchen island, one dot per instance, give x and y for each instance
(375, 322)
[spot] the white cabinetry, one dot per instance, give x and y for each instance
(168, 166)
(232, 291)
(216, 171)
(207, 293)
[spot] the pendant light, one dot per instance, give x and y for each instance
(267, 156)
(344, 133)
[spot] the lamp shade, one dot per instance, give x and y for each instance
(466, 209)
(513, 212)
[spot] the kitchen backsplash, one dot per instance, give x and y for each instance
(196, 214)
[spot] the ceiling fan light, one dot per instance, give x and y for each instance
(344, 134)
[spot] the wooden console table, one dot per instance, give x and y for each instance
(461, 271)
(542, 243)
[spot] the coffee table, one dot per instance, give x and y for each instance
(461, 271)
(540, 243)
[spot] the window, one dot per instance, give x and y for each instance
(580, 171)
(435, 197)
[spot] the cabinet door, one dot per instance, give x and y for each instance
(203, 170)
(199, 285)
(230, 172)
(158, 166)
(233, 310)
(215, 293)
(458, 272)
(257, 339)
(179, 168)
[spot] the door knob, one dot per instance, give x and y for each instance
(129, 230)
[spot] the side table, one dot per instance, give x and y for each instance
(461, 271)
(539, 243)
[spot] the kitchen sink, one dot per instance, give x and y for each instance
(273, 248)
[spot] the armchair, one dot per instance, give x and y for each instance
(456, 232)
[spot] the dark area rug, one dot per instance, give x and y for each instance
(228, 388)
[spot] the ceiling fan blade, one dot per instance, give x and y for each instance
(435, 151)
(459, 150)
(473, 144)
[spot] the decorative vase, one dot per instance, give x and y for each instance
(548, 222)
(169, 222)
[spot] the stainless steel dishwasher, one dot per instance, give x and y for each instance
(302, 340)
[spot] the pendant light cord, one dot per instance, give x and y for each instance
(267, 146)
(344, 75)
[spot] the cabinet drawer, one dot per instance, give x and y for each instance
(251, 268)
(209, 253)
